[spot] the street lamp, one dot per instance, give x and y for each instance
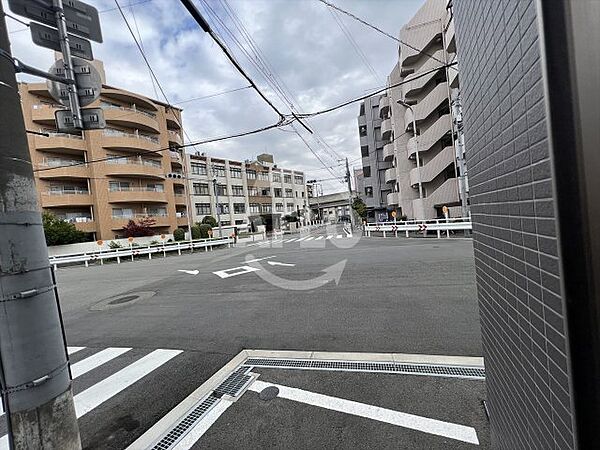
(414, 125)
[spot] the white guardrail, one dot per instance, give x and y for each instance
(406, 226)
(133, 251)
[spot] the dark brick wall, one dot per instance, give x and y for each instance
(513, 207)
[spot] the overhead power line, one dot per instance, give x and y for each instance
(229, 91)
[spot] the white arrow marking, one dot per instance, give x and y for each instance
(241, 270)
(190, 272)
(259, 259)
(275, 263)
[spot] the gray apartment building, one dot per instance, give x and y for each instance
(245, 189)
(531, 104)
(373, 189)
(418, 189)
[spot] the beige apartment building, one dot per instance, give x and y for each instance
(246, 190)
(428, 42)
(100, 197)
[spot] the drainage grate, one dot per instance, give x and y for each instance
(358, 366)
(171, 438)
(234, 383)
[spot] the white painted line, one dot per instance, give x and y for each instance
(111, 386)
(189, 272)
(275, 263)
(329, 237)
(302, 238)
(310, 238)
(259, 259)
(4, 442)
(293, 239)
(96, 360)
(339, 236)
(319, 238)
(203, 425)
(241, 270)
(432, 426)
(71, 350)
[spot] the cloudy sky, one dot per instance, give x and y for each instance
(304, 43)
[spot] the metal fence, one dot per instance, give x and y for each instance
(132, 251)
(439, 226)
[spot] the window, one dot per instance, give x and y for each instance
(252, 190)
(221, 189)
(202, 209)
(155, 187)
(122, 213)
(378, 133)
(362, 130)
(198, 168)
(366, 171)
(266, 192)
(298, 179)
(288, 193)
(218, 170)
(287, 179)
(254, 208)
(290, 206)
(296, 194)
(223, 208)
(225, 223)
(369, 191)
(277, 178)
(266, 208)
(114, 186)
(251, 174)
(362, 109)
(158, 211)
(364, 151)
(201, 189)
(302, 194)
(239, 208)
(279, 207)
(237, 190)
(277, 192)
(239, 222)
(264, 176)
(235, 172)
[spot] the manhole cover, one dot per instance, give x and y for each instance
(121, 300)
(268, 393)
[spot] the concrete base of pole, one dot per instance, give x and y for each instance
(48, 427)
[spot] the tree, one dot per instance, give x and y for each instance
(360, 207)
(179, 234)
(61, 232)
(210, 220)
(143, 227)
(204, 229)
(290, 218)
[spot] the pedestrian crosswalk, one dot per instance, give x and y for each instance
(131, 366)
(278, 241)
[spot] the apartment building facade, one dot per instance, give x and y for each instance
(374, 189)
(420, 189)
(246, 190)
(97, 179)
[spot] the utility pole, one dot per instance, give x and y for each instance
(463, 187)
(214, 180)
(34, 373)
(349, 194)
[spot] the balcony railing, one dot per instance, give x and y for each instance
(137, 161)
(130, 109)
(139, 135)
(139, 215)
(135, 189)
(69, 191)
(47, 162)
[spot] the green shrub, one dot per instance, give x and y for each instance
(196, 232)
(179, 234)
(210, 220)
(203, 230)
(154, 243)
(59, 232)
(113, 244)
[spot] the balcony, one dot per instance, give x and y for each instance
(118, 222)
(129, 97)
(70, 197)
(131, 118)
(182, 221)
(173, 118)
(60, 141)
(88, 226)
(44, 113)
(392, 199)
(384, 106)
(135, 166)
(180, 199)
(388, 151)
(390, 175)
(434, 167)
(175, 136)
(137, 195)
(430, 103)
(450, 38)
(62, 168)
(386, 129)
(120, 140)
(417, 81)
(431, 136)
(446, 194)
(453, 77)
(419, 36)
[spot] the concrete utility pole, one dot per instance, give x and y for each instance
(34, 372)
(214, 180)
(463, 187)
(349, 194)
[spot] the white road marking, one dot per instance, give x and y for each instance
(275, 263)
(310, 238)
(4, 442)
(329, 237)
(96, 360)
(259, 259)
(339, 236)
(71, 350)
(432, 426)
(190, 272)
(202, 426)
(241, 270)
(111, 386)
(292, 240)
(319, 238)
(302, 238)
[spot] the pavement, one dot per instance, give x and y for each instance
(182, 319)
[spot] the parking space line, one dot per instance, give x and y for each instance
(419, 423)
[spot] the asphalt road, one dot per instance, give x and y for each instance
(339, 294)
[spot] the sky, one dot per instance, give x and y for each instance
(301, 40)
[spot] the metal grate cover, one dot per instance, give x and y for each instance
(234, 383)
(359, 366)
(173, 436)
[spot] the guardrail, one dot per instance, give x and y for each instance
(133, 251)
(423, 226)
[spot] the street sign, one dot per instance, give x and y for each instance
(82, 19)
(394, 214)
(48, 37)
(422, 227)
(87, 78)
(92, 118)
(445, 210)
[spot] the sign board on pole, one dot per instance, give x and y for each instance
(48, 37)
(87, 78)
(82, 19)
(394, 214)
(445, 211)
(92, 118)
